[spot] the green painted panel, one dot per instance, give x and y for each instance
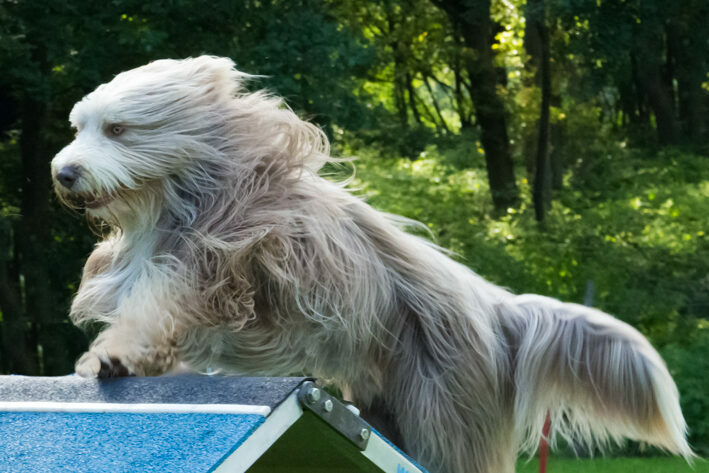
(311, 446)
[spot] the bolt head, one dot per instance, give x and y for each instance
(313, 395)
(352, 408)
(327, 405)
(364, 434)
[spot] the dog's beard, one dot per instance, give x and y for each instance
(103, 206)
(123, 207)
(86, 200)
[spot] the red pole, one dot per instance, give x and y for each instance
(544, 445)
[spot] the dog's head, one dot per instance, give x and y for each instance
(178, 132)
(146, 124)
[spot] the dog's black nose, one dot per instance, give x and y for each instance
(68, 176)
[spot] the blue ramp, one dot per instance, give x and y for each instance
(186, 423)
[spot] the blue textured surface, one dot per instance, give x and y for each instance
(119, 442)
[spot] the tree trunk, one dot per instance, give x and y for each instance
(399, 71)
(399, 94)
(688, 69)
(649, 47)
(412, 98)
(556, 140)
(34, 226)
(542, 176)
(472, 20)
(16, 357)
(641, 117)
(661, 104)
(33, 231)
(692, 109)
(465, 117)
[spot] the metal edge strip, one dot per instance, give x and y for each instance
(385, 457)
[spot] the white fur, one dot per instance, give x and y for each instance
(228, 251)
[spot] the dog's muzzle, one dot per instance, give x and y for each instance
(68, 178)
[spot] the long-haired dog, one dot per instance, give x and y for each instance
(228, 251)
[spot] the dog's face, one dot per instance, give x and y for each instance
(146, 125)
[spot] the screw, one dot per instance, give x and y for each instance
(364, 434)
(313, 395)
(327, 405)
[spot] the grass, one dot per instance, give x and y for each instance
(615, 465)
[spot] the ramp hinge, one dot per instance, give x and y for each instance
(336, 414)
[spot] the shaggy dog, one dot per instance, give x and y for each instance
(228, 251)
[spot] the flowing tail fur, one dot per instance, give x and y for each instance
(599, 378)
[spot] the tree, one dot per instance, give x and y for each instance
(647, 50)
(471, 21)
(653, 53)
(688, 61)
(540, 55)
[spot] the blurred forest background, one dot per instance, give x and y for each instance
(558, 146)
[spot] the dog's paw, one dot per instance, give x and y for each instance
(92, 365)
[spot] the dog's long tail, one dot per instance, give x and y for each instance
(600, 379)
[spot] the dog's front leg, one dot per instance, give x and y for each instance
(120, 351)
(141, 337)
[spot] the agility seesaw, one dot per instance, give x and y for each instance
(186, 423)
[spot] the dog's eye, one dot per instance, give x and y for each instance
(115, 130)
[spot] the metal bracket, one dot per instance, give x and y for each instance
(336, 414)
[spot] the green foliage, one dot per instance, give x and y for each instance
(388, 80)
(689, 364)
(636, 223)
